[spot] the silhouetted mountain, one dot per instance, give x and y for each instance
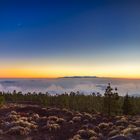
(80, 77)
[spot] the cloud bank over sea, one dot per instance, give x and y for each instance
(62, 85)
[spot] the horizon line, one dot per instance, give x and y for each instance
(129, 78)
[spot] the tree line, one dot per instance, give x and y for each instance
(110, 103)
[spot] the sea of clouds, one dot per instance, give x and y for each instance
(62, 85)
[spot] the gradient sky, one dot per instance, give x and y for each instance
(54, 38)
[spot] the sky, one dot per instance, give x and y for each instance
(56, 38)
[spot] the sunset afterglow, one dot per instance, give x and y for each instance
(55, 71)
(41, 39)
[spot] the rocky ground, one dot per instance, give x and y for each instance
(32, 122)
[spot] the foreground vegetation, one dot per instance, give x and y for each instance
(33, 122)
(111, 103)
(71, 116)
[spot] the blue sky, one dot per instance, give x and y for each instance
(58, 31)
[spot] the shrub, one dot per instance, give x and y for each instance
(18, 130)
(76, 119)
(86, 134)
(52, 127)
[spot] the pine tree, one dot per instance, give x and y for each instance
(110, 100)
(127, 106)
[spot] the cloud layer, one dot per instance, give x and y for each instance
(84, 85)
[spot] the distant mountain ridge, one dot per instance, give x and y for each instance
(80, 77)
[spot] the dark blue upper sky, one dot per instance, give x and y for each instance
(60, 29)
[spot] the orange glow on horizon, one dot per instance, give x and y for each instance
(128, 72)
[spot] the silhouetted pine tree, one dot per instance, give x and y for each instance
(127, 106)
(110, 100)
